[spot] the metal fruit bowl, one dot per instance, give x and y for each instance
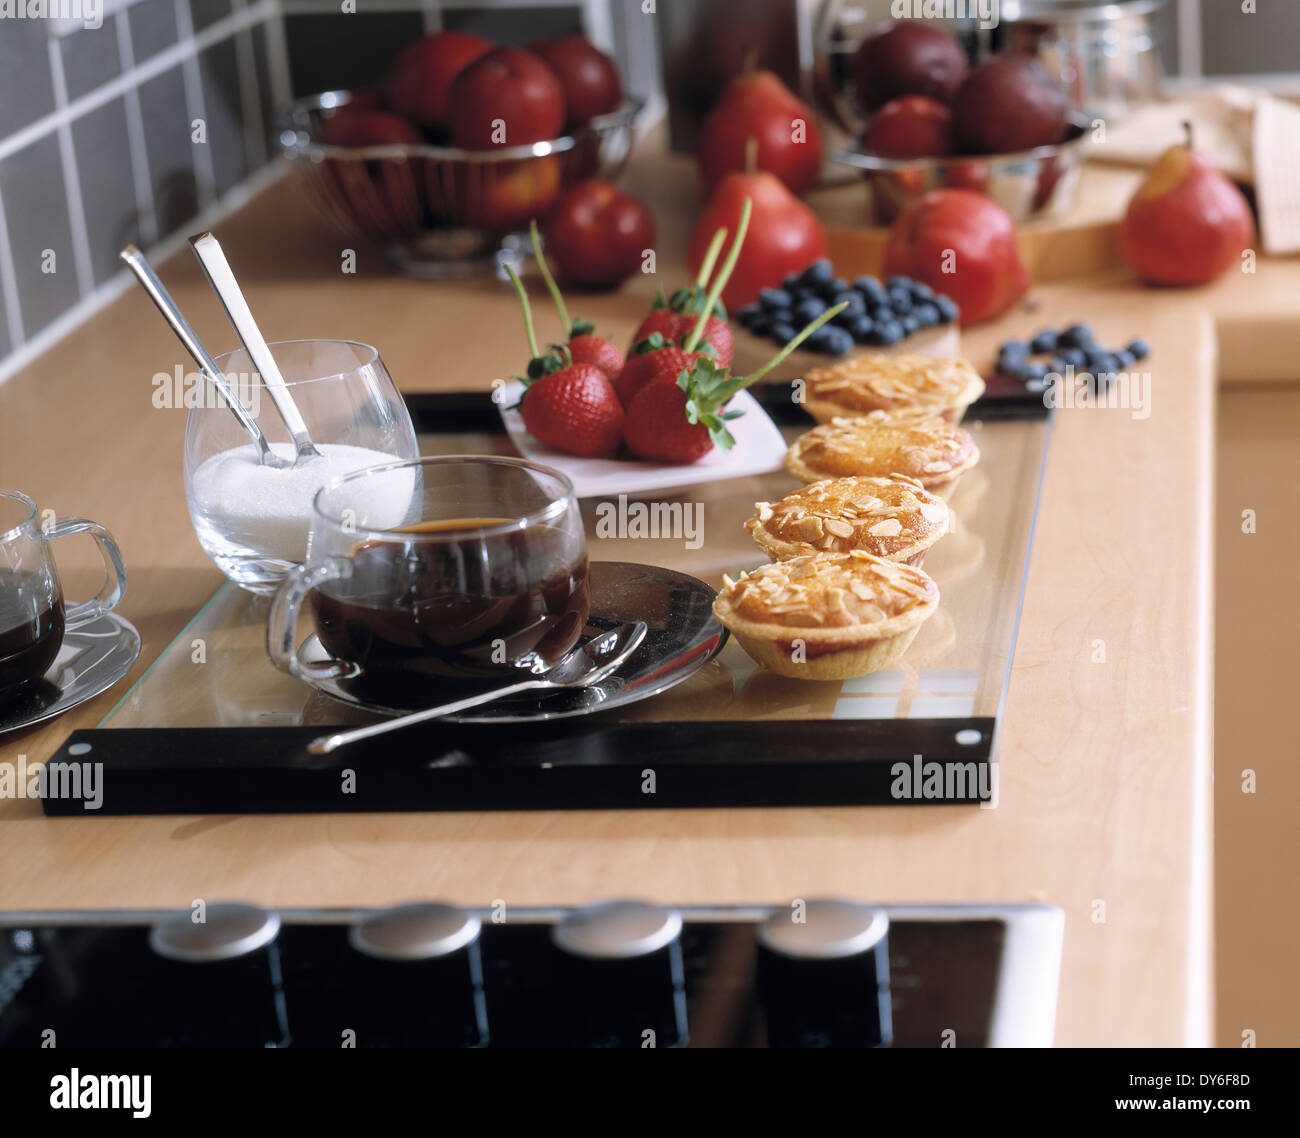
(1033, 183)
(439, 210)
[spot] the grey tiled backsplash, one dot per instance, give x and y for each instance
(120, 130)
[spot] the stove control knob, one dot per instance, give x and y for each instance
(823, 975)
(620, 967)
(419, 977)
(217, 983)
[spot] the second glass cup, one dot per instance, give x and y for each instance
(437, 576)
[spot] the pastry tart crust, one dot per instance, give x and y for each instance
(929, 449)
(893, 517)
(876, 381)
(827, 616)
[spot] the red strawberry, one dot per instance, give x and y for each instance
(643, 367)
(574, 410)
(661, 320)
(596, 350)
(675, 326)
(681, 420)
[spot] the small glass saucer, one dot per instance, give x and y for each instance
(682, 636)
(92, 659)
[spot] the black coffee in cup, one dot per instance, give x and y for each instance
(423, 619)
(31, 631)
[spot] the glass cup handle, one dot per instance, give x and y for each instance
(282, 621)
(110, 594)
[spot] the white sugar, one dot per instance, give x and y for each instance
(269, 511)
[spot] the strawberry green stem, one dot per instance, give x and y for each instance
(710, 258)
(720, 281)
(528, 311)
(551, 286)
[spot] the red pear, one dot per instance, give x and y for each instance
(1187, 223)
(784, 235)
(758, 105)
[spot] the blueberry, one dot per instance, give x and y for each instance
(1139, 349)
(759, 324)
(890, 332)
(791, 282)
(881, 314)
(1032, 372)
(1058, 363)
(839, 340)
(900, 300)
(746, 314)
(947, 308)
(899, 282)
(775, 298)
(828, 290)
(1014, 350)
(1015, 368)
(1099, 359)
(927, 313)
(809, 309)
(820, 340)
(857, 306)
(871, 289)
(1076, 336)
(910, 323)
(781, 331)
(860, 327)
(780, 316)
(1044, 342)
(1072, 357)
(817, 273)
(1124, 359)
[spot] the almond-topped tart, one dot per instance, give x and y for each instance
(827, 616)
(875, 381)
(893, 517)
(930, 450)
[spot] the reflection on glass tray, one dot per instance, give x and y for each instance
(216, 672)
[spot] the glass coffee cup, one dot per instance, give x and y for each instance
(33, 615)
(436, 577)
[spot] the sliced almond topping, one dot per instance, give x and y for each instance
(839, 528)
(937, 467)
(890, 527)
(935, 512)
(810, 528)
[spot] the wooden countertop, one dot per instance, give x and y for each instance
(1105, 768)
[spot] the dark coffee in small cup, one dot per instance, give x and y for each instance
(31, 631)
(423, 618)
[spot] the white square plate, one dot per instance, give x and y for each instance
(759, 448)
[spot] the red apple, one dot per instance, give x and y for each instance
(510, 97)
(911, 126)
(784, 234)
(1008, 105)
(353, 128)
(588, 76)
(1187, 223)
(910, 57)
(596, 234)
(758, 106)
(423, 74)
(961, 243)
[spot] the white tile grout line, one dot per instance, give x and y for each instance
(250, 99)
(9, 287)
(146, 210)
(164, 61)
(234, 199)
(277, 59)
(71, 178)
(205, 173)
